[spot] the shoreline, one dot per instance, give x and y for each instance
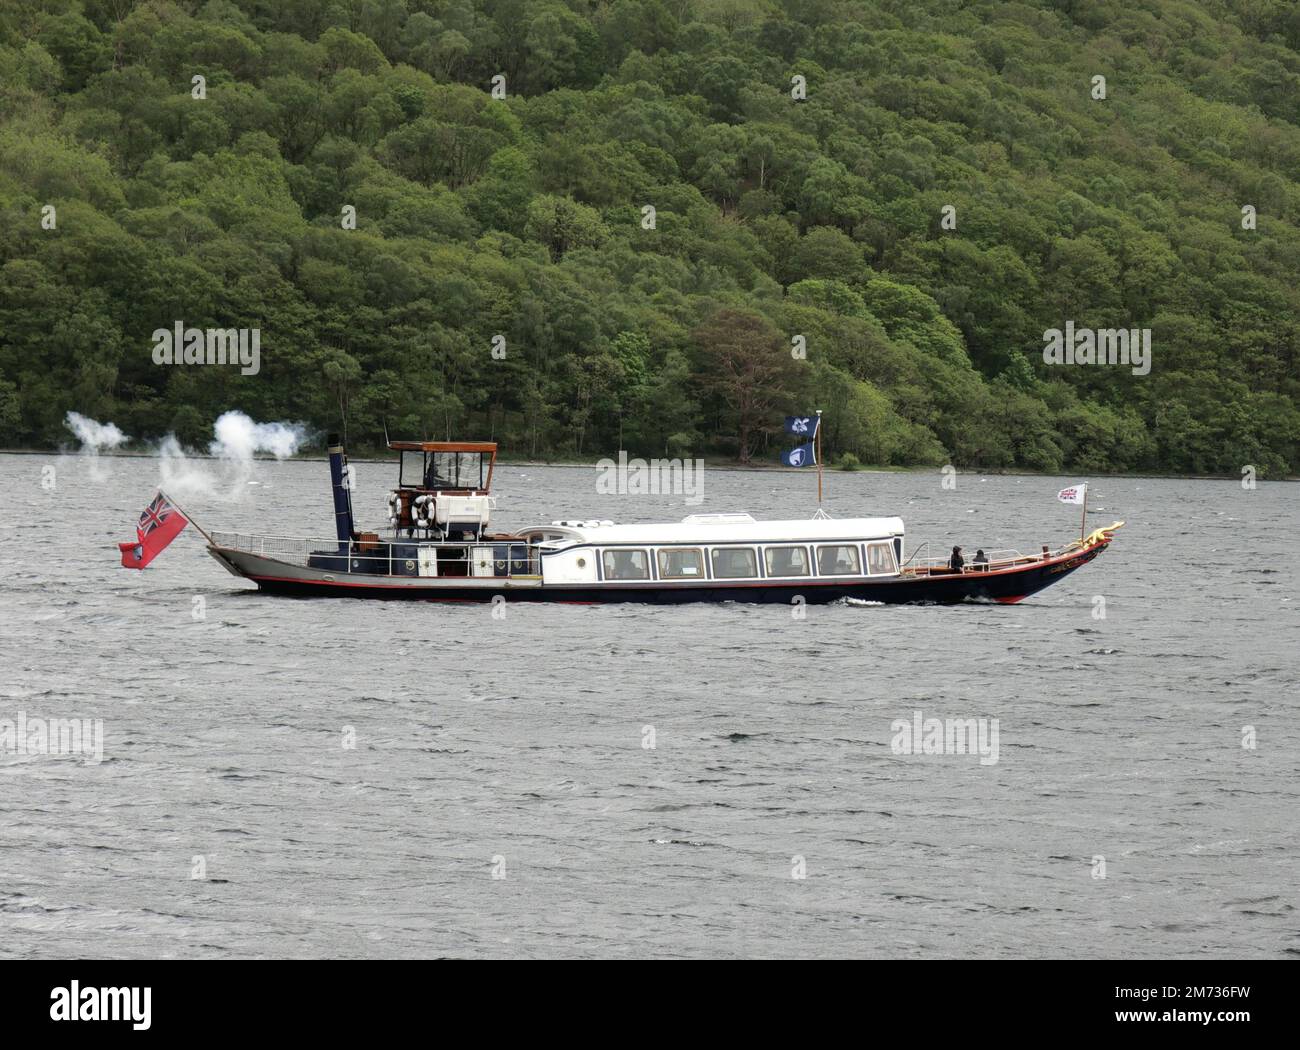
(712, 465)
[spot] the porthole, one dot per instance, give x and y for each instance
(582, 563)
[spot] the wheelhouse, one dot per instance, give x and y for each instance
(457, 467)
(443, 488)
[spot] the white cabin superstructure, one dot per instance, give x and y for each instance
(703, 547)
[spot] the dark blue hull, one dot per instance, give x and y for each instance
(1008, 586)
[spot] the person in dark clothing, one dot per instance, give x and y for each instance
(957, 561)
(434, 478)
(981, 561)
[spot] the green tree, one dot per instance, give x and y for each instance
(747, 366)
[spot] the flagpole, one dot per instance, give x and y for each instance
(1083, 518)
(818, 452)
(190, 518)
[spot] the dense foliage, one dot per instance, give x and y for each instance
(774, 217)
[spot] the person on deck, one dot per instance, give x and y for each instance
(957, 561)
(981, 562)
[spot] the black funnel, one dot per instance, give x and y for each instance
(342, 494)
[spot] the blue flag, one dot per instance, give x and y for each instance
(803, 426)
(803, 456)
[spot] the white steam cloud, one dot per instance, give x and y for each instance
(95, 437)
(238, 439)
(224, 473)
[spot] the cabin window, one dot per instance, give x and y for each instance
(880, 559)
(469, 470)
(686, 563)
(786, 561)
(412, 469)
(451, 470)
(734, 563)
(839, 560)
(442, 471)
(625, 565)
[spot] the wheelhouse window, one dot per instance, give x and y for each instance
(786, 561)
(446, 466)
(838, 560)
(686, 563)
(625, 565)
(454, 470)
(734, 563)
(880, 559)
(412, 474)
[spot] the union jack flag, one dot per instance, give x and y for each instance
(155, 514)
(1074, 494)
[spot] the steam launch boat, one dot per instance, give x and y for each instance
(439, 546)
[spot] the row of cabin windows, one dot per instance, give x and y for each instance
(739, 563)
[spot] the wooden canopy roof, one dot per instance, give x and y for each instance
(487, 447)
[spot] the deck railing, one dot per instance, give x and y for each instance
(1002, 558)
(389, 556)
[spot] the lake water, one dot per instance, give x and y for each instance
(499, 800)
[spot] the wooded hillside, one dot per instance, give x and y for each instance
(665, 332)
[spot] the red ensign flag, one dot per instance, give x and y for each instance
(159, 524)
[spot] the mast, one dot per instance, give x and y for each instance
(818, 453)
